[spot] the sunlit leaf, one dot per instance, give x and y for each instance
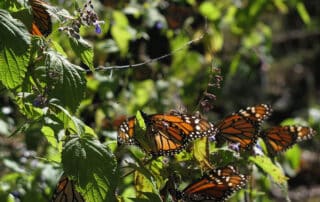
(201, 153)
(121, 31)
(72, 122)
(14, 50)
(293, 155)
(303, 13)
(93, 167)
(66, 80)
(148, 178)
(270, 168)
(209, 10)
(83, 50)
(280, 4)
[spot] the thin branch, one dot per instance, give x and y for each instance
(152, 60)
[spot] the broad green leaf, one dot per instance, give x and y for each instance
(66, 80)
(270, 168)
(49, 134)
(201, 153)
(14, 50)
(303, 13)
(93, 167)
(83, 50)
(209, 10)
(56, 46)
(27, 106)
(72, 122)
(121, 31)
(12, 68)
(293, 155)
(148, 178)
(18, 38)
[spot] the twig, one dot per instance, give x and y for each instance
(117, 67)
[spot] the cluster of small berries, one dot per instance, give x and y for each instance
(87, 17)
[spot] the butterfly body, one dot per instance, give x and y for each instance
(217, 185)
(243, 126)
(166, 134)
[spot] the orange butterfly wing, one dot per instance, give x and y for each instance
(66, 192)
(280, 138)
(218, 185)
(173, 132)
(41, 24)
(257, 113)
(242, 127)
(166, 134)
(126, 131)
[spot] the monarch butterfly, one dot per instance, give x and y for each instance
(218, 185)
(41, 24)
(177, 14)
(243, 126)
(66, 192)
(280, 138)
(166, 134)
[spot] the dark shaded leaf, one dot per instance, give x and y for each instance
(93, 167)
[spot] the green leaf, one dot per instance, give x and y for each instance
(66, 80)
(303, 13)
(83, 50)
(201, 152)
(148, 196)
(148, 178)
(14, 50)
(92, 166)
(140, 120)
(121, 31)
(293, 155)
(16, 35)
(267, 166)
(209, 10)
(72, 122)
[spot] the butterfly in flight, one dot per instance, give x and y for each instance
(243, 126)
(66, 191)
(280, 138)
(217, 185)
(165, 134)
(41, 24)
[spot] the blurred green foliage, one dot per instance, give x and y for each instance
(57, 101)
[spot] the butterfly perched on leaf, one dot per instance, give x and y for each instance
(243, 126)
(217, 185)
(165, 134)
(41, 24)
(66, 191)
(280, 138)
